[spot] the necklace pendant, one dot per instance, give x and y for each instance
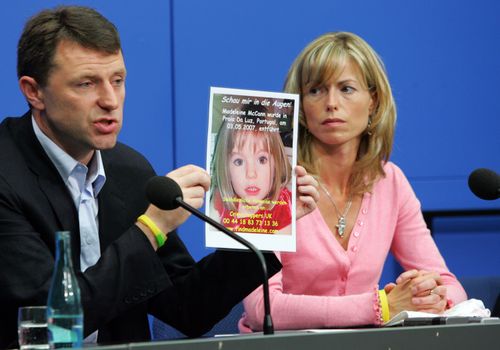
(341, 226)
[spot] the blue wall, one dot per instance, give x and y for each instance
(443, 60)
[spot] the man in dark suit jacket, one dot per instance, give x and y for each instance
(72, 73)
(130, 279)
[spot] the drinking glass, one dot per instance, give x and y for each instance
(32, 328)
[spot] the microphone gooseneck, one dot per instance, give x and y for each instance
(166, 194)
(485, 184)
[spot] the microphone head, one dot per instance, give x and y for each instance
(485, 183)
(163, 192)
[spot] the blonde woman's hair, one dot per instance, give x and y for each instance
(324, 58)
(229, 139)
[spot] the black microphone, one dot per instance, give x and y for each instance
(166, 194)
(485, 184)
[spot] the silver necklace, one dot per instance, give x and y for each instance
(342, 223)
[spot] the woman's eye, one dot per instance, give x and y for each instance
(315, 91)
(348, 89)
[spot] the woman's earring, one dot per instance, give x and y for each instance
(369, 126)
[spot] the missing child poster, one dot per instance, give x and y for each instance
(251, 154)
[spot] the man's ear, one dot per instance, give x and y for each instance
(32, 91)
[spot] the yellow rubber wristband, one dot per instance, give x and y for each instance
(384, 304)
(160, 237)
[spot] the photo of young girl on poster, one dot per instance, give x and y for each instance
(251, 154)
(251, 176)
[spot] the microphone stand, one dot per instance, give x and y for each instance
(268, 327)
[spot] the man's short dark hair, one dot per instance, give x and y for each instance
(44, 31)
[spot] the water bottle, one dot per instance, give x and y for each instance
(64, 307)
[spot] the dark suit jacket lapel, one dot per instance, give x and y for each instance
(50, 182)
(111, 203)
(111, 207)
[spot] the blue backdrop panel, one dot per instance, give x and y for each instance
(470, 246)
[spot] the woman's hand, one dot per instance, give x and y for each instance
(307, 192)
(399, 298)
(427, 294)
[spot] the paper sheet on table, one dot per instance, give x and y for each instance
(467, 308)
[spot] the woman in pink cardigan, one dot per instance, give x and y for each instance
(366, 207)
